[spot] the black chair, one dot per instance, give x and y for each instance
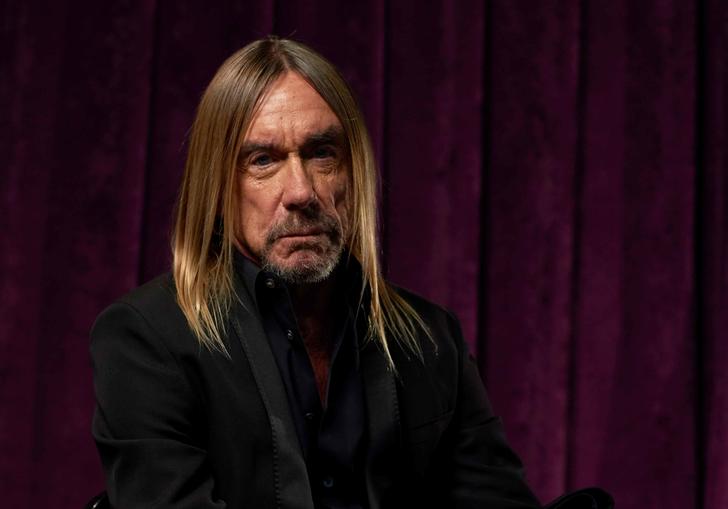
(100, 501)
(585, 498)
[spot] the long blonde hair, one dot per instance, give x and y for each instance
(206, 216)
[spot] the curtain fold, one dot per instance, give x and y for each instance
(635, 342)
(531, 197)
(72, 202)
(433, 160)
(712, 224)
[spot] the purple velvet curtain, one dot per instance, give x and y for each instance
(555, 172)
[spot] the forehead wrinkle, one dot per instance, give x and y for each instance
(291, 111)
(332, 133)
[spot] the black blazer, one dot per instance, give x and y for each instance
(179, 426)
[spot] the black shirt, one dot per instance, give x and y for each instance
(331, 435)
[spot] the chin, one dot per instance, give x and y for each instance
(303, 266)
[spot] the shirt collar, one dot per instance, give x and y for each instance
(255, 278)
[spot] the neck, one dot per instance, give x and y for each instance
(312, 304)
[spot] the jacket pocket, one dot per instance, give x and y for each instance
(429, 431)
(422, 441)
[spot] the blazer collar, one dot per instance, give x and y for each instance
(292, 487)
(380, 392)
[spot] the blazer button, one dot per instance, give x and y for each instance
(328, 482)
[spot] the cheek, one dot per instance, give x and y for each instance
(253, 214)
(341, 199)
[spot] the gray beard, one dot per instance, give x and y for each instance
(323, 264)
(314, 272)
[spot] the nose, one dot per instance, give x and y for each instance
(298, 188)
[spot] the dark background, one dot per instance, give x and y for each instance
(554, 171)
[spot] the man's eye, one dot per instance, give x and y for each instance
(261, 160)
(324, 152)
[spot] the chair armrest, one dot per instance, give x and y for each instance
(585, 498)
(100, 501)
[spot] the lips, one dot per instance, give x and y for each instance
(311, 227)
(304, 233)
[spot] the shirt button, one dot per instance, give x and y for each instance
(328, 482)
(270, 283)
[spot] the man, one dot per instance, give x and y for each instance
(275, 367)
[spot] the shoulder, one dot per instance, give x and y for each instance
(440, 320)
(428, 384)
(442, 344)
(154, 301)
(154, 297)
(147, 314)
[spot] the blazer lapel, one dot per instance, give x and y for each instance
(293, 490)
(380, 394)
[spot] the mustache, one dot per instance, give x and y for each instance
(305, 222)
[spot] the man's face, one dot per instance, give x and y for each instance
(292, 184)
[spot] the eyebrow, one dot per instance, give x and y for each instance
(332, 135)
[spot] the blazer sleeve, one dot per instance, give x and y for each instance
(149, 421)
(479, 467)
